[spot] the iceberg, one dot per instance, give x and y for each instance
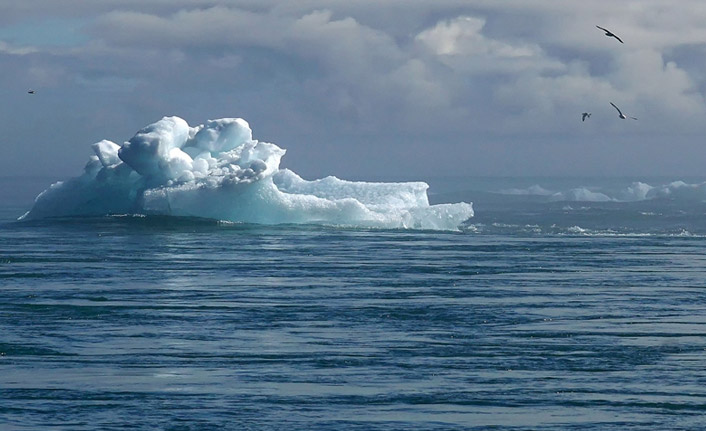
(218, 171)
(637, 191)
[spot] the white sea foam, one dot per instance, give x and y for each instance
(218, 171)
(577, 230)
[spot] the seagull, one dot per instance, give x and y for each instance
(609, 33)
(31, 91)
(585, 115)
(620, 113)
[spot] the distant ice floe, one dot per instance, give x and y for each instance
(218, 171)
(637, 191)
(535, 190)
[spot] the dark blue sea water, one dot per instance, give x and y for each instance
(539, 314)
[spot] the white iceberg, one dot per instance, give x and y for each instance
(218, 171)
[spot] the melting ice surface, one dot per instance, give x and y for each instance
(218, 171)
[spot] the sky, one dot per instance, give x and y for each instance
(365, 89)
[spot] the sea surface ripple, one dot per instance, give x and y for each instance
(183, 324)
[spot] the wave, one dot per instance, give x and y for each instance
(531, 230)
(218, 171)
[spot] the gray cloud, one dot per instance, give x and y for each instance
(396, 86)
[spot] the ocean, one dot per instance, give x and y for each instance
(564, 303)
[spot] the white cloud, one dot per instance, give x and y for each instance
(460, 44)
(462, 36)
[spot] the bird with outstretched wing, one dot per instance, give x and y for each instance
(610, 33)
(620, 113)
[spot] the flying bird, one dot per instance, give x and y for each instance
(585, 115)
(609, 33)
(30, 91)
(620, 113)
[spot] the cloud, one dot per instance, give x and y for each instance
(7, 48)
(351, 70)
(460, 44)
(462, 36)
(336, 73)
(367, 76)
(647, 76)
(338, 44)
